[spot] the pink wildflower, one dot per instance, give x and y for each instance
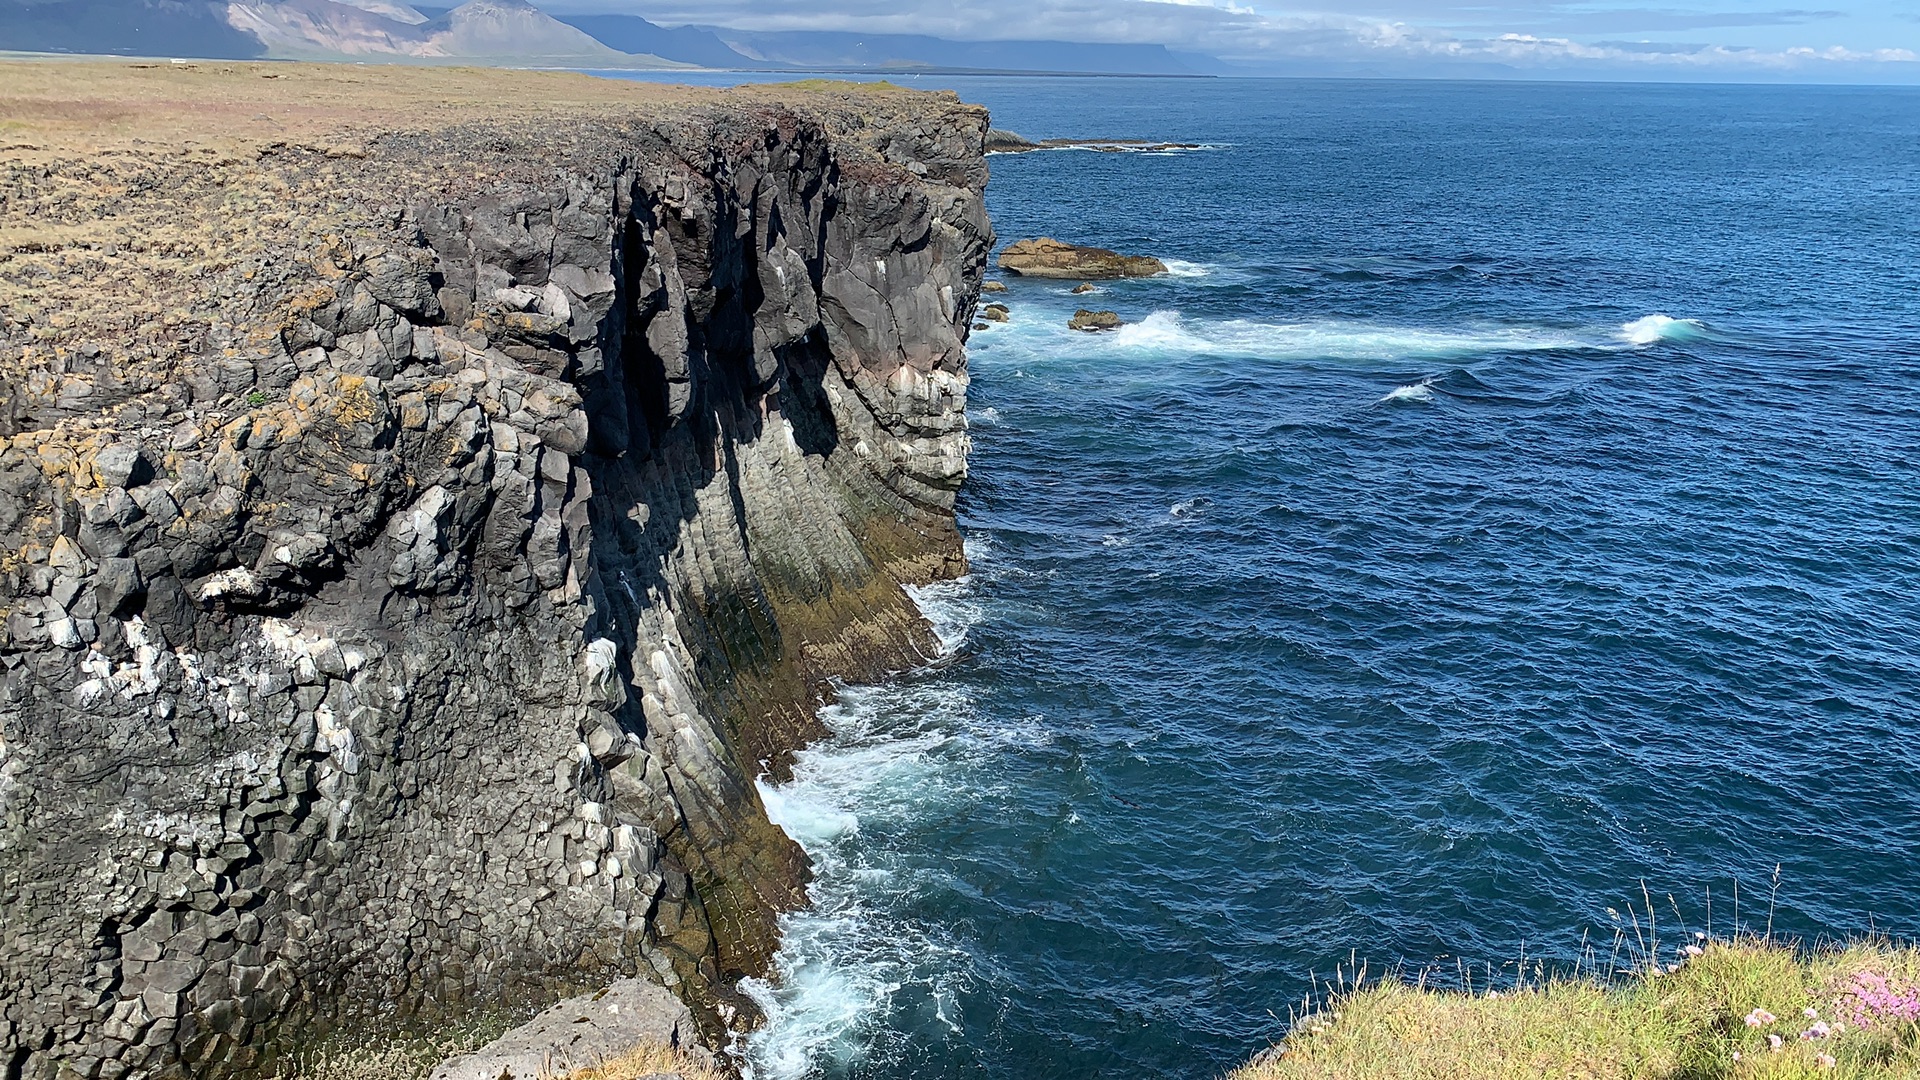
(1760, 1018)
(1826, 1061)
(1694, 950)
(1775, 1042)
(1810, 1013)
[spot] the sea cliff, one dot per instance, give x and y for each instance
(432, 498)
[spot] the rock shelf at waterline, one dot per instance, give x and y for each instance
(1006, 142)
(1046, 257)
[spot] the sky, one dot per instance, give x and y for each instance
(1826, 41)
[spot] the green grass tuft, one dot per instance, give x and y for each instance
(1689, 1023)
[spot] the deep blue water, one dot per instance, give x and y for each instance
(1511, 498)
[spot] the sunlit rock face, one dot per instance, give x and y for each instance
(396, 620)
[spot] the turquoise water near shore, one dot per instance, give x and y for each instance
(1510, 496)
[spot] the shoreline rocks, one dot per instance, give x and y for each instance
(1046, 257)
(1001, 141)
(1094, 322)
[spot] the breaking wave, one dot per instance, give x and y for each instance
(1167, 332)
(899, 755)
(1657, 328)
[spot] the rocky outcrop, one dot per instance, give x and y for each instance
(1050, 258)
(419, 543)
(1001, 141)
(1094, 321)
(582, 1033)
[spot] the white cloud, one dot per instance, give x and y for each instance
(1521, 36)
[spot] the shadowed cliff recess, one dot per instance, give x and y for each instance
(434, 496)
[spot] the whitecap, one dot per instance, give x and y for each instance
(1181, 268)
(1653, 329)
(1193, 507)
(1168, 332)
(1419, 391)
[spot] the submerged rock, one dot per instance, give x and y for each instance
(994, 312)
(1050, 258)
(993, 286)
(1094, 321)
(1083, 288)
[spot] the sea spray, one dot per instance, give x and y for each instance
(1170, 333)
(1657, 328)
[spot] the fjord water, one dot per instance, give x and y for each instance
(1510, 497)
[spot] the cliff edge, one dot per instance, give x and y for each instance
(432, 497)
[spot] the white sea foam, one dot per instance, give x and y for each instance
(1169, 332)
(1419, 391)
(897, 754)
(951, 607)
(1181, 268)
(1657, 328)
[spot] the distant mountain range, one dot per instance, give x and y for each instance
(518, 33)
(905, 52)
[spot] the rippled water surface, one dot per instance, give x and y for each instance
(1511, 496)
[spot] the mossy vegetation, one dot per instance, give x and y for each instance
(1747, 1009)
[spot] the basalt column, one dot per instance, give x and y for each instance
(405, 639)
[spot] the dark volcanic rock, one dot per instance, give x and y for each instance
(1050, 258)
(510, 495)
(1000, 141)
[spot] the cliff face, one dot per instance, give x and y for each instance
(420, 542)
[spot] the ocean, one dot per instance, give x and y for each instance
(1504, 512)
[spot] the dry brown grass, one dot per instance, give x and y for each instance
(650, 1061)
(62, 106)
(56, 106)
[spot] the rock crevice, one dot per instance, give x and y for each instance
(405, 636)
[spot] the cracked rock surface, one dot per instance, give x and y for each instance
(422, 533)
